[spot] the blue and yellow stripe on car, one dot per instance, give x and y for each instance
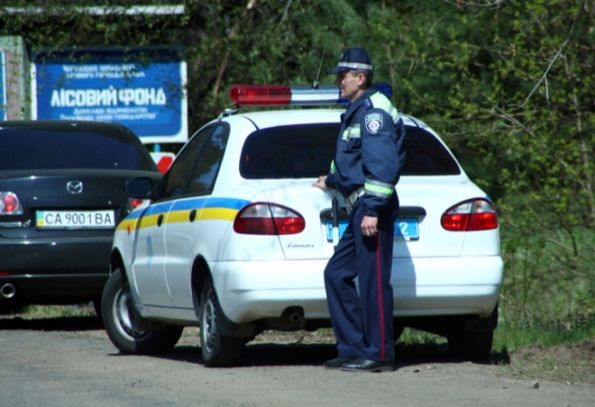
(179, 211)
(149, 217)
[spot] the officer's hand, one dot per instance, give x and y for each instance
(320, 182)
(370, 226)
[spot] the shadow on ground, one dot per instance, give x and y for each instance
(271, 354)
(267, 351)
(75, 323)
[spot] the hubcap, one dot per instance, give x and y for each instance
(123, 316)
(209, 323)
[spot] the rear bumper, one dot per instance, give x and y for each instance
(55, 270)
(249, 291)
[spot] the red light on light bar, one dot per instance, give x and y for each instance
(282, 95)
(260, 94)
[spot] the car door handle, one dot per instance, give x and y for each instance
(159, 220)
(192, 215)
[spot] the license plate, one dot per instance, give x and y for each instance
(405, 229)
(75, 219)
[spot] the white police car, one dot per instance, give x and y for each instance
(236, 238)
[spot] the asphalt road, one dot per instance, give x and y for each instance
(70, 362)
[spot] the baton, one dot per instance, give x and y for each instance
(335, 213)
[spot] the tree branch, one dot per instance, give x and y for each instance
(544, 76)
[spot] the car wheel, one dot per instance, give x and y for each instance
(473, 339)
(217, 349)
(398, 329)
(97, 308)
(475, 346)
(10, 308)
(125, 328)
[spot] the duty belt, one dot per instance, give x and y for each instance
(352, 198)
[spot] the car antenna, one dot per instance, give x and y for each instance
(316, 82)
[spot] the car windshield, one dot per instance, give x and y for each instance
(27, 148)
(306, 151)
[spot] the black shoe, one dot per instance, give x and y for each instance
(367, 365)
(336, 363)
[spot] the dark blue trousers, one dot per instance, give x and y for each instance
(362, 313)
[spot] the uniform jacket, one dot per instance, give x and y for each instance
(369, 152)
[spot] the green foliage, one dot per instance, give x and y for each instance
(57, 311)
(512, 336)
(509, 85)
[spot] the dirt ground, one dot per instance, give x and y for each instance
(69, 361)
(569, 363)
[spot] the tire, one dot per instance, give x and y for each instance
(473, 339)
(123, 325)
(11, 308)
(216, 348)
(398, 329)
(474, 346)
(97, 308)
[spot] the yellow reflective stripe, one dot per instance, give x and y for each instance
(179, 217)
(218, 213)
(127, 224)
(333, 167)
(148, 221)
(380, 101)
(354, 131)
(378, 188)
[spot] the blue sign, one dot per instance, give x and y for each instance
(143, 89)
(3, 106)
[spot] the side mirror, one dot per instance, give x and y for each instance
(139, 188)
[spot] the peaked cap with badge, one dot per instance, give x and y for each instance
(353, 59)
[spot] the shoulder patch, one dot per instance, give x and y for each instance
(374, 122)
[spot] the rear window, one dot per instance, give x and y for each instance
(26, 148)
(303, 151)
(306, 151)
(426, 155)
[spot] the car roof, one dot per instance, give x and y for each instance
(272, 118)
(113, 128)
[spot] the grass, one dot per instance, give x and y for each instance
(550, 353)
(510, 337)
(554, 351)
(56, 311)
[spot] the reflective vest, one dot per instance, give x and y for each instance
(369, 151)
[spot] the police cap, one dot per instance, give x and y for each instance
(353, 59)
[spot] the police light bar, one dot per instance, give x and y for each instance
(283, 95)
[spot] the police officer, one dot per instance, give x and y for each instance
(365, 170)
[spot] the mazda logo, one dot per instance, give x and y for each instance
(74, 187)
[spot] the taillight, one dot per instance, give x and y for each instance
(476, 214)
(263, 218)
(134, 203)
(10, 204)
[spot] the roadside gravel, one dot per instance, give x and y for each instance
(70, 362)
